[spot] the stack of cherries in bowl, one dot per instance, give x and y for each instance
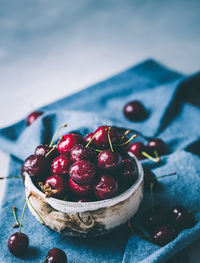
(79, 169)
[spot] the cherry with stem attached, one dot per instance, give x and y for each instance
(18, 242)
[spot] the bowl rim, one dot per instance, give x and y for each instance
(88, 206)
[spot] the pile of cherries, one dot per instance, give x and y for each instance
(79, 169)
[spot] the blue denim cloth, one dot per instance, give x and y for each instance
(172, 100)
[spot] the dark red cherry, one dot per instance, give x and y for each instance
(68, 142)
(36, 166)
(137, 148)
(56, 255)
(88, 138)
(80, 152)
(157, 145)
(181, 218)
(82, 172)
(135, 111)
(106, 187)
(108, 161)
(149, 178)
(129, 172)
(42, 150)
(101, 136)
(164, 234)
(151, 219)
(32, 117)
(80, 190)
(18, 244)
(56, 185)
(60, 165)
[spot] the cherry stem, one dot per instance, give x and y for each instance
(166, 175)
(98, 150)
(54, 146)
(151, 193)
(156, 160)
(111, 147)
(47, 189)
(52, 140)
(20, 226)
(15, 217)
(126, 133)
(45, 260)
(11, 176)
(132, 137)
(42, 221)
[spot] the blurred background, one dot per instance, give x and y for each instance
(49, 49)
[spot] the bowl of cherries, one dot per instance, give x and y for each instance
(84, 187)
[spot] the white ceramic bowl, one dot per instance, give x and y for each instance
(85, 219)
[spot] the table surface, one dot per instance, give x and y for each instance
(50, 49)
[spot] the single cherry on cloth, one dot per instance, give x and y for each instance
(32, 117)
(128, 173)
(106, 187)
(102, 134)
(164, 234)
(135, 111)
(137, 148)
(109, 161)
(68, 141)
(80, 152)
(181, 218)
(36, 166)
(82, 172)
(55, 185)
(149, 179)
(88, 138)
(18, 244)
(60, 165)
(152, 219)
(156, 144)
(56, 255)
(79, 190)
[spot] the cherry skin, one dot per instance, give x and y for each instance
(135, 111)
(42, 150)
(36, 166)
(32, 117)
(106, 187)
(181, 218)
(56, 255)
(82, 172)
(153, 219)
(18, 244)
(79, 190)
(68, 142)
(60, 165)
(108, 161)
(88, 138)
(80, 152)
(57, 183)
(158, 145)
(149, 178)
(129, 172)
(101, 138)
(164, 234)
(137, 148)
